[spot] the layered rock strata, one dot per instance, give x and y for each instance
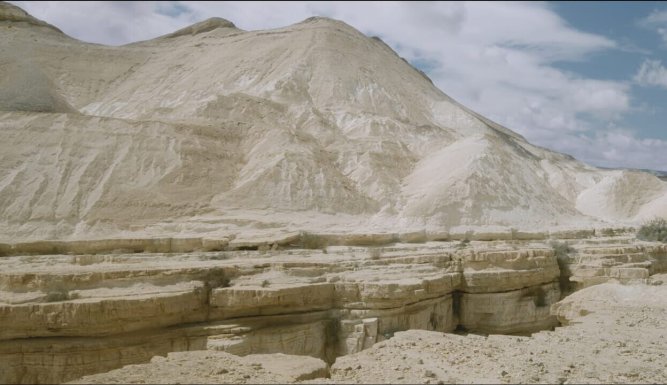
(620, 259)
(65, 316)
(615, 334)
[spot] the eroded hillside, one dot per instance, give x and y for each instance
(314, 125)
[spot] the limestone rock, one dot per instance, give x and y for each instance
(301, 190)
(212, 131)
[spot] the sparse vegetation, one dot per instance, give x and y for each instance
(464, 243)
(216, 278)
(653, 230)
(613, 231)
(375, 252)
(59, 294)
(610, 232)
(390, 333)
(562, 251)
(265, 283)
(313, 241)
(216, 257)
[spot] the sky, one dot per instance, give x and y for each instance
(585, 78)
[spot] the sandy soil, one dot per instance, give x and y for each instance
(213, 367)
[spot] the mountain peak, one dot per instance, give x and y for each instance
(203, 26)
(12, 13)
(321, 21)
(283, 129)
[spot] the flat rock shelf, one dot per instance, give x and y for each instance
(70, 315)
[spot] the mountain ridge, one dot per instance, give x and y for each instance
(314, 125)
(12, 13)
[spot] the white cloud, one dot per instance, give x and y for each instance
(108, 22)
(651, 73)
(618, 148)
(656, 17)
(663, 34)
(496, 58)
(656, 20)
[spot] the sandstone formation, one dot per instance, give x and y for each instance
(617, 335)
(606, 342)
(114, 308)
(78, 314)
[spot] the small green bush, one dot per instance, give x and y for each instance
(653, 230)
(463, 244)
(312, 241)
(216, 278)
(610, 232)
(561, 249)
(59, 295)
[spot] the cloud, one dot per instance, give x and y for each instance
(651, 73)
(111, 22)
(656, 17)
(620, 148)
(497, 58)
(656, 20)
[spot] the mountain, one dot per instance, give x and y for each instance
(314, 126)
(658, 173)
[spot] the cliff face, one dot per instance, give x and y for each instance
(72, 315)
(69, 315)
(310, 125)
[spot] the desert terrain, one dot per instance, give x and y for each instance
(605, 341)
(301, 205)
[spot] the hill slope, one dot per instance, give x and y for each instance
(314, 125)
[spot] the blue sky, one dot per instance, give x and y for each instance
(585, 78)
(639, 40)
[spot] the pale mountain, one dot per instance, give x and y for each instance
(314, 126)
